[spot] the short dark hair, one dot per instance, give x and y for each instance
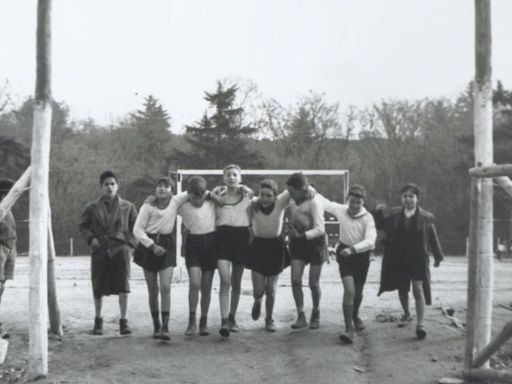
(269, 183)
(166, 180)
(232, 166)
(357, 191)
(196, 185)
(411, 187)
(106, 174)
(298, 181)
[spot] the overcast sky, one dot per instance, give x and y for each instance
(109, 54)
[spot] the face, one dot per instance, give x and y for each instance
(267, 197)
(296, 194)
(232, 178)
(196, 201)
(109, 187)
(409, 200)
(354, 204)
(163, 191)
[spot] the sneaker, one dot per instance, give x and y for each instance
(124, 329)
(269, 325)
(156, 333)
(314, 322)
(358, 324)
(203, 327)
(405, 320)
(224, 330)
(98, 326)
(256, 310)
(191, 329)
(164, 334)
(301, 321)
(233, 326)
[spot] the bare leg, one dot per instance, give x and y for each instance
(123, 305)
(224, 267)
(258, 288)
(348, 308)
(152, 284)
(419, 300)
(206, 289)
(314, 285)
(270, 293)
(236, 288)
(194, 274)
(165, 288)
(98, 306)
(298, 295)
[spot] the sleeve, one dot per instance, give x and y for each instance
(317, 212)
(379, 218)
(370, 236)
(180, 199)
(331, 207)
(433, 239)
(85, 225)
(283, 199)
(139, 228)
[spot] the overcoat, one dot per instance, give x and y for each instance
(426, 241)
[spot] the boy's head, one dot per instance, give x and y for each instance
(410, 194)
(356, 198)
(5, 186)
(232, 175)
(108, 182)
(164, 187)
(297, 185)
(196, 188)
(268, 192)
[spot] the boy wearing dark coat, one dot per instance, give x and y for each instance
(107, 225)
(7, 244)
(410, 234)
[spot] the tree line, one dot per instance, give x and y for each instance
(383, 145)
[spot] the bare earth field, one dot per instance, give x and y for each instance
(383, 353)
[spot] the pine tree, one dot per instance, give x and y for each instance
(221, 138)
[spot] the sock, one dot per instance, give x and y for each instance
(156, 320)
(165, 320)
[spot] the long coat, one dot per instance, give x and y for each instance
(95, 223)
(429, 241)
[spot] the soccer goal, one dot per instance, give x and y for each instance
(252, 177)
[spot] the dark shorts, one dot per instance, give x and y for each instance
(412, 271)
(268, 256)
(7, 261)
(355, 265)
(312, 251)
(110, 270)
(145, 258)
(200, 251)
(232, 244)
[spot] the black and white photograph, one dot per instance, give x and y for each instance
(255, 191)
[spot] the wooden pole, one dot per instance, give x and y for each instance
(480, 262)
(14, 193)
(491, 171)
(487, 375)
(53, 303)
(40, 158)
(494, 345)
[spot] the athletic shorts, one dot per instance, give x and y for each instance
(268, 256)
(312, 251)
(355, 265)
(7, 261)
(232, 244)
(145, 257)
(200, 251)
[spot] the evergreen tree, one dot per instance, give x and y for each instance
(221, 138)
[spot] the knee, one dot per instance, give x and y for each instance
(314, 285)
(236, 286)
(194, 285)
(269, 292)
(296, 282)
(349, 295)
(165, 289)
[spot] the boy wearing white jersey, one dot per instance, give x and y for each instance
(198, 215)
(306, 246)
(357, 237)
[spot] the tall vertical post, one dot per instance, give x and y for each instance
(480, 262)
(39, 210)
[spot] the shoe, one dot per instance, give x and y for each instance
(224, 330)
(156, 333)
(405, 320)
(256, 310)
(164, 334)
(301, 321)
(191, 329)
(124, 329)
(421, 332)
(314, 321)
(347, 338)
(269, 325)
(233, 326)
(358, 324)
(98, 326)
(203, 326)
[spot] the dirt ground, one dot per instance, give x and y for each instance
(383, 353)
